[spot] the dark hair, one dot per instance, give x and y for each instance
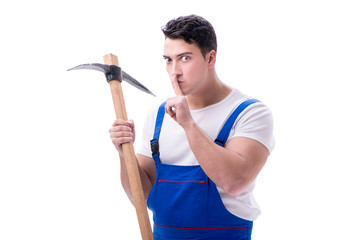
(192, 29)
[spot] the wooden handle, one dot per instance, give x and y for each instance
(129, 155)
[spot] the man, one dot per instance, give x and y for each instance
(198, 169)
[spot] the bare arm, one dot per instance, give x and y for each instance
(232, 168)
(122, 132)
(147, 173)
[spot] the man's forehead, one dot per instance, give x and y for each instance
(175, 47)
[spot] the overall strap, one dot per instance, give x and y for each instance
(225, 130)
(159, 120)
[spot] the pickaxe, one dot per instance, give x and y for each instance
(114, 76)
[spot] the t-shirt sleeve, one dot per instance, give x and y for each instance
(255, 122)
(143, 147)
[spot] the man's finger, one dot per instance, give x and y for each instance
(176, 86)
(119, 122)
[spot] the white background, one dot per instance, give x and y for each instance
(59, 173)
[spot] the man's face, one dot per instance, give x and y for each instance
(185, 62)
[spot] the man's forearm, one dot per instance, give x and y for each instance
(232, 168)
(146, 184)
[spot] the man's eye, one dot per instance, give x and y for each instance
(185, 58)
(167, 60)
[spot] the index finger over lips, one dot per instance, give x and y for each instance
(176, 86)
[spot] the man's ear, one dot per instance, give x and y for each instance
(211, 58)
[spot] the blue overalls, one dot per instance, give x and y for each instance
(186, 203)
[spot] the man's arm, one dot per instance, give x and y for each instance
(147, 173)
(233, 167)
(122, 132)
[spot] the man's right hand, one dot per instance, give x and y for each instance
(122, 132)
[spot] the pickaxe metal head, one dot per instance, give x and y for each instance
(113, 72)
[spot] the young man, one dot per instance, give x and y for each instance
(198, 170)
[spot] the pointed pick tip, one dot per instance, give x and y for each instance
(76, 67)
(71, 69)
(147, 91)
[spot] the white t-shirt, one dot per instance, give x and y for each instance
(254, 122)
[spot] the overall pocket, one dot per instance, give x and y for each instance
(179, 197)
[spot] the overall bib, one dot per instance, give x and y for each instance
(186, 203)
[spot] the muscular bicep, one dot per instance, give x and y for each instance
(253, 153)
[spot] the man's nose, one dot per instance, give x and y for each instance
(175, 69)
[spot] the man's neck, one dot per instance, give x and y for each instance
(214, 92)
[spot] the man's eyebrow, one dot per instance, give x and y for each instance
(180, 54)
(184, 53)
